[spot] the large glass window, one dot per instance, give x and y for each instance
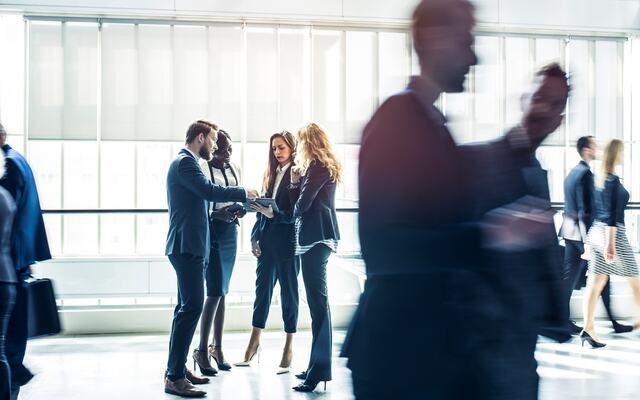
(113, 102)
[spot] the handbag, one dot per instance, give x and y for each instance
(42, 309)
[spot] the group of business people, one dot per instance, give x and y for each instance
(593, 229)
(23, 242)
(205, 201)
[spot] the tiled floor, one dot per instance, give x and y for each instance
(131, 367)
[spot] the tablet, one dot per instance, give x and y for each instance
(263, 201)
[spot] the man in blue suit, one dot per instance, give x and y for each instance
(188, 194)
(28, 245)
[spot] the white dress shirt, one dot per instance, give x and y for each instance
(280, 171)
(230, 177)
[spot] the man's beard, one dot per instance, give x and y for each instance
(205, 153)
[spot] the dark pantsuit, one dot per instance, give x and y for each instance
(314, 274)
(270, 270)
(7, 301)
(190, 273)
(17, 333)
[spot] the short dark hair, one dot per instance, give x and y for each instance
(3, 132)
(198, 127)
(554, 70)
(583, 143)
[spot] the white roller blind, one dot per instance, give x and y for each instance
(63, 69)
(119, 81)
(226, 68)
(295, 105)
(262, 83)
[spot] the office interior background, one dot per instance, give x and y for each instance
(98, 95)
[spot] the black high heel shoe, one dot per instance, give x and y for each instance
(585, 337)
(222, 366)
(302, 375)
(621, 328)
(201, 359)
(308, 386)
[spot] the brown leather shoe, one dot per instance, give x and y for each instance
(196, 380)
(183, 388)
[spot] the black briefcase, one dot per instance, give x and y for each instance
(43, 311)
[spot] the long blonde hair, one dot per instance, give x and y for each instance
(314, 145)
(611, 155)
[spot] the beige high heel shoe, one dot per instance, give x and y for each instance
(248, 362)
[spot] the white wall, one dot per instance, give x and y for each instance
(616, 15)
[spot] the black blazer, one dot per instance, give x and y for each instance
(7, 213)
(188, 191)
(316, 206)
(611, 201)
(277, 235)
(578, 203)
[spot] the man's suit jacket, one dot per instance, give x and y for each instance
(188, 194)
(29, 242)
(421, 195)
(422, 200)
(277, 235)
(579, 210)
(7, 214)
(316, 205)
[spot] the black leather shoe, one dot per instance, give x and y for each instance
(575, 329)
(308, 386)
(20, 376)
(621, 328)
(302, 375)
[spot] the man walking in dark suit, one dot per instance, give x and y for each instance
(188, 192)
(430, 324)
(28, 245)
(579, 212)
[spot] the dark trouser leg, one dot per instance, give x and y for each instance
(189, 271)
(7, 300)
(265, 281)
(287, 272)
(314, 274)
(575, 267)
(606, 299)
(16, 339)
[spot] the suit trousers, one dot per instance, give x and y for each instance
(18, 332)
(7, 301)
(190, 273)
(574, 266)
(268, 271)
(448, 337)
(314, 274)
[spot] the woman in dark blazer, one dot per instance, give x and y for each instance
(317, 172)
(273, 243)
(223, 225)
(8, 280)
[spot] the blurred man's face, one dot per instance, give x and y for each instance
(589, 153)
(447, 53)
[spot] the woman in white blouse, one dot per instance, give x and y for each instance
(223, 226)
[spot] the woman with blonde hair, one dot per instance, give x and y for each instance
(611, 253)
(316, 174)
